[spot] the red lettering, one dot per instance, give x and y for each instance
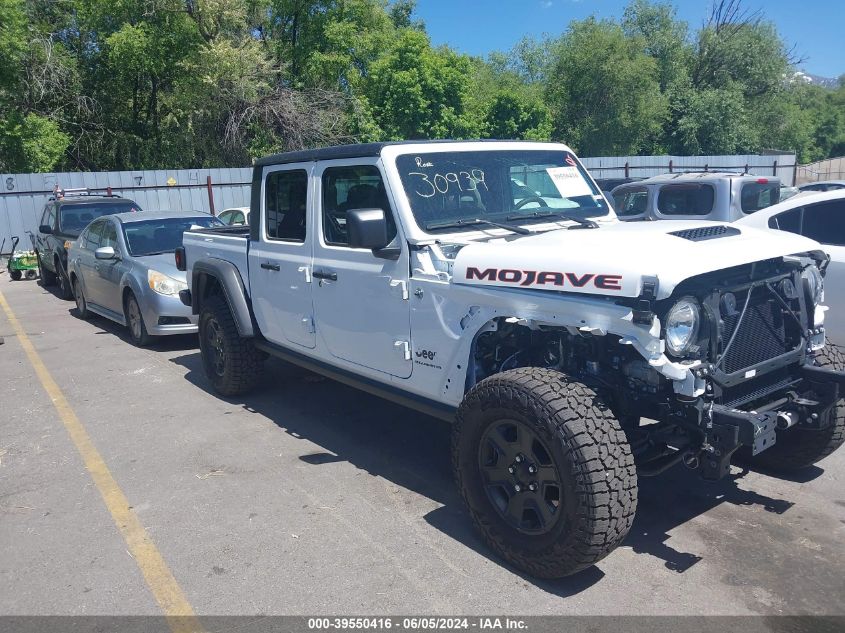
(550, 278)
(609, 282)
(579, 282)
(509, 275)
(489, 274)
(529, 278)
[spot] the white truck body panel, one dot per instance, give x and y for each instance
(431, 355)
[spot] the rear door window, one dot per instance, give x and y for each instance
(286, 197)
(630, 202)
(825, 222)
(686, 199)
(759, 195)
(787, 221)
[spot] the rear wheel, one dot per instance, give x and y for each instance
(48, 278)
(545, 470)
(231, 362)
(797, 448)
(135, 321)
(31, 274)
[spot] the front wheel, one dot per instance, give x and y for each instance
(135, 321)
(797, 448)
(545, 470)
(48, 278)
(16, 275)
(65, 287)
(81, 304)
(231, 362)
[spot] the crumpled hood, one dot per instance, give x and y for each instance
(612, 260)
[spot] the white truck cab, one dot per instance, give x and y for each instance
(491, 284)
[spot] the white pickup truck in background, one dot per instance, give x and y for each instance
(490, 283)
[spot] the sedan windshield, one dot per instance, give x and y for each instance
(458, 190)
(153, 237)
(75, 217)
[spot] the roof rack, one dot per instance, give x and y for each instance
(59, 193)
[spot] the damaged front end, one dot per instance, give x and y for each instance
(751, 369)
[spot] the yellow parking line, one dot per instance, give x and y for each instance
(166, 591)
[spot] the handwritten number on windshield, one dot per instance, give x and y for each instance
(441, 183)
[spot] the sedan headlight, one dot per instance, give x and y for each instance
(815, 283)
(164, 284)
(682, 323)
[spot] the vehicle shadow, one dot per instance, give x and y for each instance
(411, 450)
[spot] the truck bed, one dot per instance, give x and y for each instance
(230, 243)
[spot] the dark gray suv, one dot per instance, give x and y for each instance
(64, 217)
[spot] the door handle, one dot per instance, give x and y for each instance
(325, 274)
(268, 266)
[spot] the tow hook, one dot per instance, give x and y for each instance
(786, 419)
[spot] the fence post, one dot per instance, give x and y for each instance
(775, 168)
(671, 165)
(627, 170)
(210, 195)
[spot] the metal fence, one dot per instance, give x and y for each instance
(22, 196)
(779, 165)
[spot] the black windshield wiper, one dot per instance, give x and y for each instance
(459, 223)
(584, 222)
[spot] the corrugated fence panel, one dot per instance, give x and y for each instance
(22, 196)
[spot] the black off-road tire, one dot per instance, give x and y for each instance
(65, 288)
(16, 275)
(231, 362)
(48, 278)
(82, 310)
(588, 449)
(796, 448)
(31, 274)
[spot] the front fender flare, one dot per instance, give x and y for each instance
(226, 274)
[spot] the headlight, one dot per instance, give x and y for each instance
(682, 323)
(815, 283)
(164, 284)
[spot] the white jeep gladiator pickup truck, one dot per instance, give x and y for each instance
(491, 284)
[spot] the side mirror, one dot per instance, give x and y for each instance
(106, 252)
(46, 229)
(367, 228)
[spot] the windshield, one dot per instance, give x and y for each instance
(75, 217)
(451, 190)
(153, 237)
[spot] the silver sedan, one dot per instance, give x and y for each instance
(122, 267)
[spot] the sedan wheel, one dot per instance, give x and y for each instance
(135, 321)
(81, 305)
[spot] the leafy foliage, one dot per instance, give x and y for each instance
(133, 84)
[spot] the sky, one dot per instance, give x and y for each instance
(478, 27)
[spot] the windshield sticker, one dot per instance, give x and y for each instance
(569, 182)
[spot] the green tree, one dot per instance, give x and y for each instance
(604, 92)
(418, 92)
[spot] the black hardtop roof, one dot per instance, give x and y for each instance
(356, 150)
